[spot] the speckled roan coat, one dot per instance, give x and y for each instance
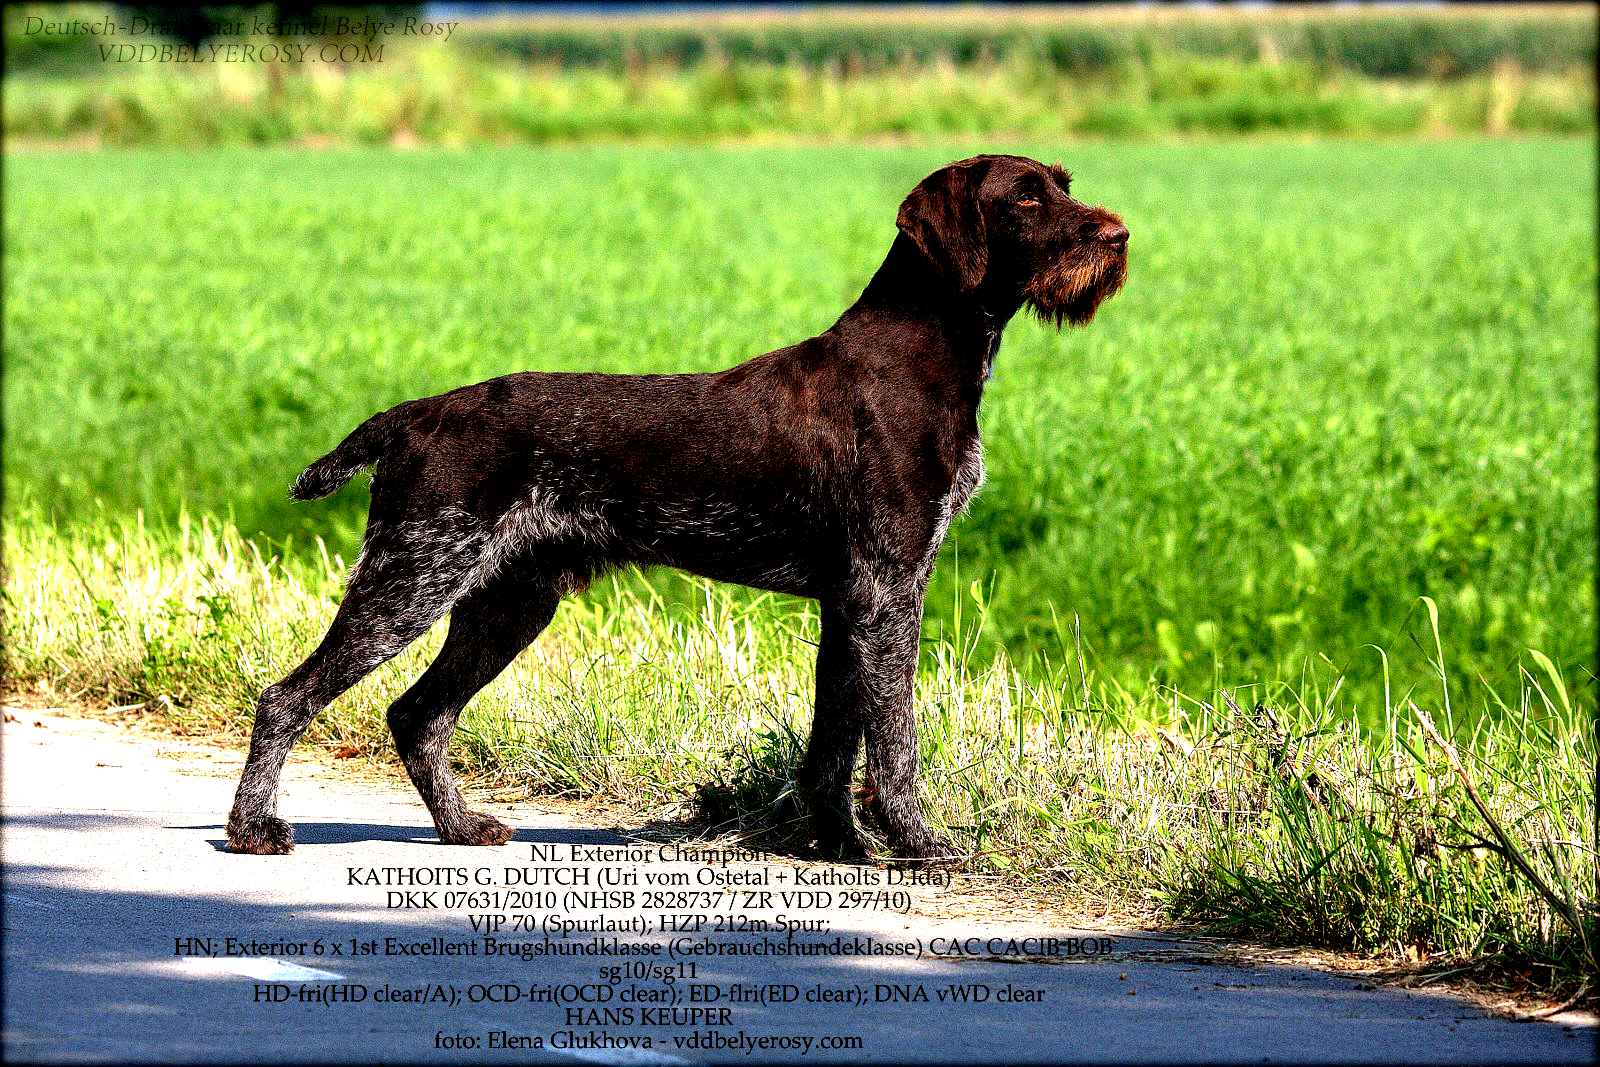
(830, 469)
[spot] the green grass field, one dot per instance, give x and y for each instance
(1330, 451)
(1340, 378)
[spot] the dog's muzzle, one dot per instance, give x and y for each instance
(1072, 289)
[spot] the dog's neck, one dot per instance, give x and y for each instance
(966, 324)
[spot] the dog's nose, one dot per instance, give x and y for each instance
(1114, 233)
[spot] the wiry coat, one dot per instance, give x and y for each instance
(830, 469)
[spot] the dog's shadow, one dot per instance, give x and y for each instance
(353, 833)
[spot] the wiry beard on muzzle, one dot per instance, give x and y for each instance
(1073, 288)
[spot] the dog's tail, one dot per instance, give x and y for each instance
(361, 449)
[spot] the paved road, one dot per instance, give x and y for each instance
(113, 863)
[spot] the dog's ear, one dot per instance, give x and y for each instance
(941, 216)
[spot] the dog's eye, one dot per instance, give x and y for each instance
(1028, 201)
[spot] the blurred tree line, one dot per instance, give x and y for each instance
(1426, 42)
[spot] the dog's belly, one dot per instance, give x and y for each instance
(969, 477)
(773, 575)
(771, 539)
(783, 549)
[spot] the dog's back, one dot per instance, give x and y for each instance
(733, 475)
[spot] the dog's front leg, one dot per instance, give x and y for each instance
(885, 634)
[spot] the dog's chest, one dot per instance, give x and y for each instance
(969, 476)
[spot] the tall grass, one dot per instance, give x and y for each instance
(1288, 822)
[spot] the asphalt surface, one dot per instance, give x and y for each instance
(119, 901)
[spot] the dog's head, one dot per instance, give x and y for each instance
(1010, 225)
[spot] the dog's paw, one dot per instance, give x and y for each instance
(846, 846)
(477, 829)
(267, 835)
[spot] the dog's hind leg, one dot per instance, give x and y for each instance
(488, 628)
(409, 575)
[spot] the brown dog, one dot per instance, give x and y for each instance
(830, 469)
